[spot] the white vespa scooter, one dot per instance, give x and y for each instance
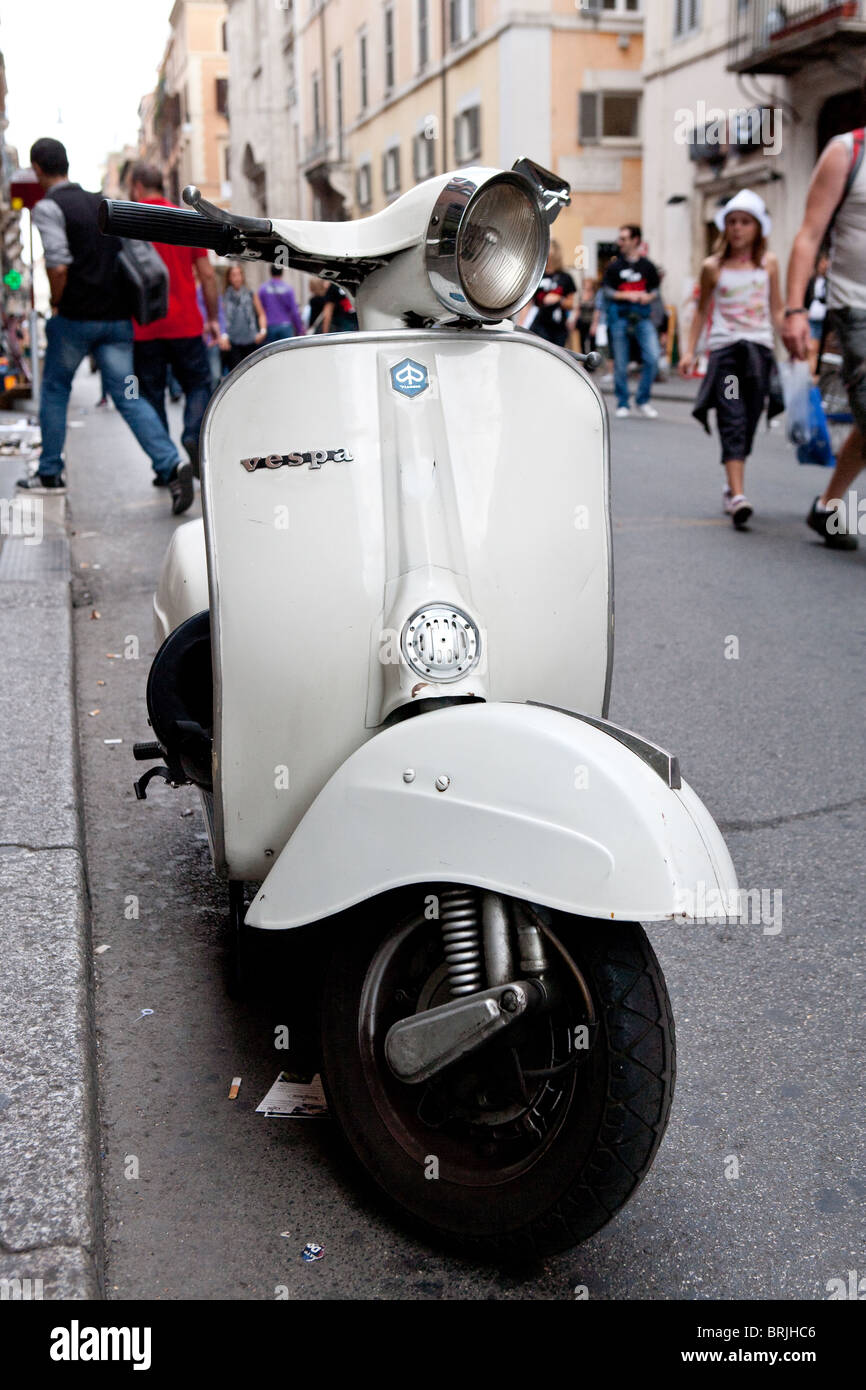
(386, 664)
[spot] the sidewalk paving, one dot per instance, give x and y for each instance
(50, 1214)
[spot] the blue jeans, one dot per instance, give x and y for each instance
(278, 331)
(69, 341)
(186, 359)
(620, 321)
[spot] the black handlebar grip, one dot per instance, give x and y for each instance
(173, 226)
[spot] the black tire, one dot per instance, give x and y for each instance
(600, 1142)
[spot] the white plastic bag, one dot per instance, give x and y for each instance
(796, 385)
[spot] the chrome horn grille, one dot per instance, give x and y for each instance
(441, 643)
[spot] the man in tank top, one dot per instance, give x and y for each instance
(837, 200)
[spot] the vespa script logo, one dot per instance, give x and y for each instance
(314, 458)
(409, 378)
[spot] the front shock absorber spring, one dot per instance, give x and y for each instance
(461, 937)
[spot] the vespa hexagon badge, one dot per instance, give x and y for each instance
(409, 378)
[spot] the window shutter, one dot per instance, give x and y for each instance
(588, 132)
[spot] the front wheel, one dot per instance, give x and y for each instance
(533, 1142)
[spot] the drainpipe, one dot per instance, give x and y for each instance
(443, 10)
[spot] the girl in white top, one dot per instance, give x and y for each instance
(740, 294)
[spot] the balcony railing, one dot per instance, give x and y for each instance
(783, 36)
(322, 148)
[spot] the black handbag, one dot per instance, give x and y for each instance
(146, 276)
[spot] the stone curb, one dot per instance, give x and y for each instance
(50, 1203)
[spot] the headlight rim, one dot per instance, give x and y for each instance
(447, 217)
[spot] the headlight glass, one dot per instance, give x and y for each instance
(501, 246)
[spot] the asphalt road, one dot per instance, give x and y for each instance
(770, 1024)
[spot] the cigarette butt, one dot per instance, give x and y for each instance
(112, 740)
(235, 1087)
(94, 613)
(85, 565)
(100, 682)
(92, 712)
(113, 656)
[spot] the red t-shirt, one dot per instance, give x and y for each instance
(183, 319)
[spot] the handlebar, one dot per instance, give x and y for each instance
(172, 226)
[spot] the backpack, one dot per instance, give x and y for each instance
(146, 276)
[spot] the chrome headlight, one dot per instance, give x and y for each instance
(487, 246)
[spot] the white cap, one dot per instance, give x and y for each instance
(746, 201)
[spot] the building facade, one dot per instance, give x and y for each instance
(389, 94)
(741, 94)
(184, 122)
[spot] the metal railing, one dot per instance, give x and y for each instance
(763, 27)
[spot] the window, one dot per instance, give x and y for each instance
(222, 96)
(364, 185)
(389, 48)
(317, 108)
(362, 64)
(608, 116)
(611, 6)
(687, 17)
(423, 33)
(467, 134)
(338, 101)
(461, 20)
(423, 156)
(225, 36)
(391, 171)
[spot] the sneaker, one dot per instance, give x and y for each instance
(726, 500)
(648, 411)
(48, 482)
(623, 412)
(739, 510)
(819, 519)
(181, 488)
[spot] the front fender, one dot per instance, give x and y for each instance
(539, 805)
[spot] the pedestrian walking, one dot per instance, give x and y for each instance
(315, 305)
(281, 308)
(815, 300)
(661, 323)
(836, 206)
(338, 313)
(91, 316)
(553, 300)
(170, 352)
(246, 325)
(584, 315)
(631, 283)
(212, 335)
(741, 296)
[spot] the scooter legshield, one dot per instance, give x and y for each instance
(349, 482)
(519, 799)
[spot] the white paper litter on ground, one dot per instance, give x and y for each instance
(295, 1100)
